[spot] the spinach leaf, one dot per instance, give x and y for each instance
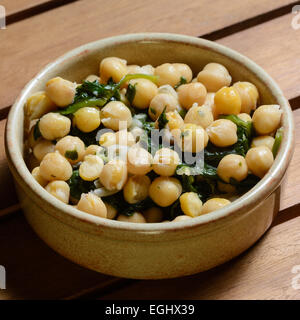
(277, 142)
(36, 131)
(182, 81)
(162, 120)
(130, 93)
(87, 137)
(245, 184)
(79, 186)
(71, 154)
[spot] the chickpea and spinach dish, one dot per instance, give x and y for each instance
(91, 144)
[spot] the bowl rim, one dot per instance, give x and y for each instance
(240, 206)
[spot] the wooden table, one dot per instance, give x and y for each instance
(38, 31)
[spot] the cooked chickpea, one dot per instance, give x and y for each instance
(91, 168)
(59, 189)
(167, 74)
(72, 148)
(169, 90)
(165, 190)
(184, 70)
(153, 215)
(266, 119)
(267, 141)
(42, 148)
(191, 138)
(165, 162)
(245, 117)
(108, 139)
(210, 102)
(139, 161)
(181, 218)
(190, 204)
(87, 119)
(114, 174)
(125, 138)
(160, 102)
(54, 125)
(92, 78)
(137, 133)
(136, 217)
(214, 204)
(61, 91)
(214, 76)
(114, 68)
(37, 176)
(228, 101)
(111, 211)
(93, 149)
(136, 188)
(38, 104)
(145, 91)
(55, 167)
(222, 133)
(115, 115)
(175, 120)
(232, 166)
(201, 116)
(92, 204)
(259, 160)
(248, 94)
(191, 93)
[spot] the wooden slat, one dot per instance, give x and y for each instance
(263, 272)
(275, 46)
(24, 55)
(15, 6)
(34, 271)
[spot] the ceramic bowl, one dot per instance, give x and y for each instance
(150, 251)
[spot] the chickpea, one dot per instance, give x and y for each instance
(267, 141)
(201, 116)
(124, 138)
(168, 74)
(191, 138)
(91, 168)
(108, 139)
(42, 148)
(136, 189)
(191, 93)
(169, 90)
(114, 68)
(61, 91)
(214, 76)
(111, 211)
(114, 175)
(72, 148)
(92, 204)
(266, 119)
(54, 125)
(222, 133)
(245, 117)
(165, 162)
(226, 187)
(214, 204)
(93, 149)
(137, 133)
(232, 166)
(148, 69)
(174, 120)
(134, 69)
(92, 78)
(210, 102)
(153, 215)
(181, 218)
(160, 102)
(37, 176)
(115, 115)
(228, 101)
(59, 189)
(139, 161)
(87, 119)
(190, 204)
(259, 160)
(184, 70)
(136, 217)
(55, 167)
(165, 190)
(248, 94)
(146, 90)
(37, 105)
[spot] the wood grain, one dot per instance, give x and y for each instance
(49, 37)
(263, 272)
(275, 46)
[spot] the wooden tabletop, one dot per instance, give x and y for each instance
(38, 31)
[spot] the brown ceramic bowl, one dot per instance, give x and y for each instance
(150, 251)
